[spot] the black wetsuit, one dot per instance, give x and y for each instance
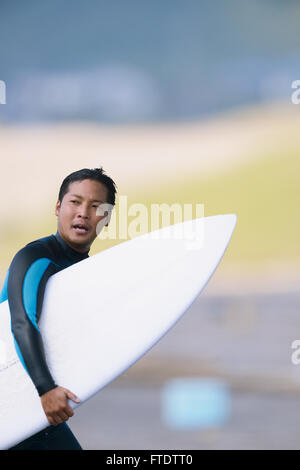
(24, 288)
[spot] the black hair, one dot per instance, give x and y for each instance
(96, 174)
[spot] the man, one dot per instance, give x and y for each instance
(80, 195)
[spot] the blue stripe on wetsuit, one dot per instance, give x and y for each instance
(31, 286)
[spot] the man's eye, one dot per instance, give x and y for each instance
(75, 202)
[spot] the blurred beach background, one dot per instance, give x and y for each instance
(180, 102)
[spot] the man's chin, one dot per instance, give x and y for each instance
(81, 240)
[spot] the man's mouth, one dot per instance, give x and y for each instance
(80, 229)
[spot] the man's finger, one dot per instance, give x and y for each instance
(69, 411)
(71, 396)
(51, 420)
(64, 416)
(58, 419)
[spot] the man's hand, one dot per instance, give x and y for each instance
(55, 405)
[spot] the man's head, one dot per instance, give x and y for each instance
(80, 195)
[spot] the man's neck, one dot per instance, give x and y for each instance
(75, 248)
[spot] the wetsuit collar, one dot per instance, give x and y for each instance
(73, 254)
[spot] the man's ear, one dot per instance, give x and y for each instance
(57, 208)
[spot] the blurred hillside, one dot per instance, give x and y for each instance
(144, 61)
(245, 162)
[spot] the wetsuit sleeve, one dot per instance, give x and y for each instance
(27, 278)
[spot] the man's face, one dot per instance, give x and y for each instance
(77, 219)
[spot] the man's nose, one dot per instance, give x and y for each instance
(83, 212)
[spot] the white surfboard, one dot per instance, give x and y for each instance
(102, 314)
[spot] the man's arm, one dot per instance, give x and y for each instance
(28, 275)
